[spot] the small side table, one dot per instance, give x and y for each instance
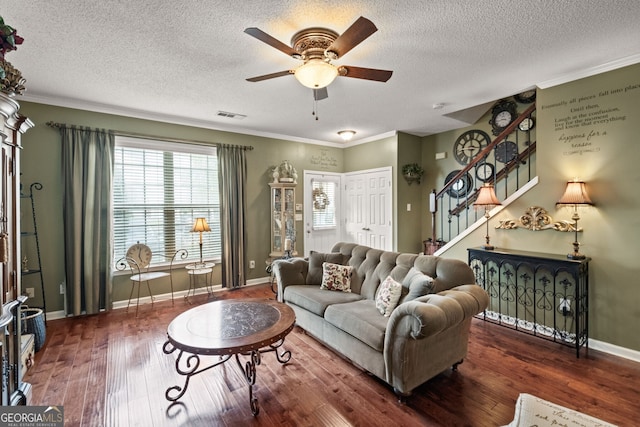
(199, 269)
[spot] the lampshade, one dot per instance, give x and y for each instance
(316, 74)
(346, 135)
(575, 195)
(486, 197)
(200, 225)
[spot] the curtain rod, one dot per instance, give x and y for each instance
(148, 136)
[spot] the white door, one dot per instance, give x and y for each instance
(322, 211)
(368, 208)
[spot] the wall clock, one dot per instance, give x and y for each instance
(502, 114)
(461, 187)
(485, 171)
(506, 151)
(526, 124)
(526, 97)
(469, 144)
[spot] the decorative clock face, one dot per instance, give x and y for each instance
(470, 144)
(502, 119)
(506, 151)
(526, 97)
(526, 125)
(485, 171)
(140, 253)
(502, 114)
(461, 187)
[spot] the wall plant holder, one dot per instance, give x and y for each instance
(412, 172)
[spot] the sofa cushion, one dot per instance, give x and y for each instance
(416, 284)
(316, 259)
(336, 277)
(314, 299)
(388, 296)
(359, 319)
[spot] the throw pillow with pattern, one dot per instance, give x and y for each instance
(336, 277)
(388, 296)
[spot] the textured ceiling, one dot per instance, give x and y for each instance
(184, 61)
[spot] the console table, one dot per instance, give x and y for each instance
(545, 295)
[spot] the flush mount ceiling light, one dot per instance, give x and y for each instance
(316, 74)
(346, 135)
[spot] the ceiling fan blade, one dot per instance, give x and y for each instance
(320, 94)
(364, 73)
(353, 36)
(270, 76)
(271, 41)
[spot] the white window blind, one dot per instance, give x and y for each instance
(323, 197)
(159, 188)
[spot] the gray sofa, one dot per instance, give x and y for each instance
(427, 332)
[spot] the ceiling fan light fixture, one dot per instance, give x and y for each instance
(346, 135)
(316, 74)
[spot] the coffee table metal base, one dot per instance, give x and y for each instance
(226, 328)
(188, 365)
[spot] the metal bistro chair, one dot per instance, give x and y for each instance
(137, 259)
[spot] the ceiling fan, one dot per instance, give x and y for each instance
(317, 47)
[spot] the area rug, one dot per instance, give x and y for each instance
(531, 411)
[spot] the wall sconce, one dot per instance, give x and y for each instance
(486, 200)
(200, 226)
(575, 195)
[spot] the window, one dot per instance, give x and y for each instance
(323, 196)
(159, 188)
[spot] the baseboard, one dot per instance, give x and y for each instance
(615, 350)
(53, 315)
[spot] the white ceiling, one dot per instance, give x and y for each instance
(184, 61)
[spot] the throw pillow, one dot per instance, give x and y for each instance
(316, 259)
(336, 277)
(388, 296)
(419, 284)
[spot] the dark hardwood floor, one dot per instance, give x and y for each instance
(109, 370)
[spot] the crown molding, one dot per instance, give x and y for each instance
(599, 69)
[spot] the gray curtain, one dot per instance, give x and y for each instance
(232, 177)
(87, 167)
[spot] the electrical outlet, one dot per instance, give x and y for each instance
(62, 288)
(30, 292)
(565, 306)
(252, 264)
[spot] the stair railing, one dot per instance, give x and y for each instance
(455, 214)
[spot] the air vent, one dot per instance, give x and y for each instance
(231, 115)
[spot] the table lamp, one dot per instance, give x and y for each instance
(575, 195)
(486, 200)
(200, 226)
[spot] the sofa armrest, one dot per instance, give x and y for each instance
(430, 314)
(425, 335)
(289, 272)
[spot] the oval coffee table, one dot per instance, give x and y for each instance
(227, 328)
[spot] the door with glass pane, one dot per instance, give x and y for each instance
(322, 211)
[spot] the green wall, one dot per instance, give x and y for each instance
(605, 154)
(608, 165)
(409, 235)
(41, 162)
